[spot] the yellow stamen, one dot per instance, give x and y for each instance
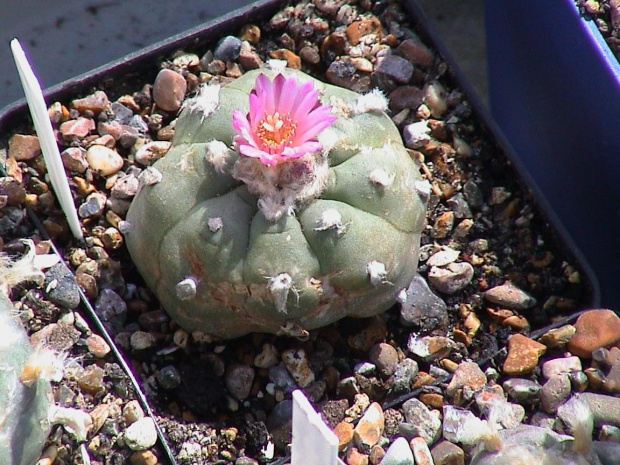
(276, 130)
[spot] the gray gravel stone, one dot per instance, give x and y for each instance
(399, 453)
(554, 392)
(61, 288)
(523, 391)
(169, 377)
(227, 49)
(406, 371)
(395, 67)
(238, 380)
(422, 307)
(141, 434)
(419, 421)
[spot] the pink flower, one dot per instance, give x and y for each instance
(285, 117)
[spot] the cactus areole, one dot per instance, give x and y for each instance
(284, 204)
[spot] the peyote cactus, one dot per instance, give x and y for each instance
(277, 210)
(25, 395)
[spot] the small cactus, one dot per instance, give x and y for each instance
(25, 393)
(283, 202)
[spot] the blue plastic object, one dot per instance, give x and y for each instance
(555, 93)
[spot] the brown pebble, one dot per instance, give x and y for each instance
(405, 97)
(510, 296)
(432, 400)
(251, 33)
(74, 159)
(355, 457)
(558, 337)
(358, 29)
(523, 355)
(467, 375)
(76, 128)
(374, 332)
(594, 329)
(369, 429)
(310, 55)
(12, 191)
(91, 379)
(376, 454)
(292, 60)
(169, 90)
(96, 102)
(97, 346)
(385, 357)
(143, 457)
(24, 147)
(446, 453)
(416, 52)
(344, 433)
(443, 225)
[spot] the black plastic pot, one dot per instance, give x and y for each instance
(144, 65)
(555, 92)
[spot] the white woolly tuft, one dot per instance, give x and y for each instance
(330, 219)
(328, 138)
(402, 296)
(206, 101)
(380, 177)
(218, 154)
(277, 66)
(273, 209)
(186, 289)
(375, 101)
(22, 270)
(377, 272)
(279, 286)
(215, 224)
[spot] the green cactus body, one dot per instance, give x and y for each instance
(221, 265)
(24, 410)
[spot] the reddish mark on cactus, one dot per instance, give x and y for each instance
(284, 119)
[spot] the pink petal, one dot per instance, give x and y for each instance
(288, 97)
(278, 84)
(311, 131)
(264, 90)
(256, 109)
(305, 104)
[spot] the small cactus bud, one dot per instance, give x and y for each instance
(331, 219)
(186, 289)
(377, 272)
(380, 177)
(279, 286)
(215, 224)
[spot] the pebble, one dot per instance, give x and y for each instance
(141, 434)
(95, 102)
(24, 147)
(268, 357)
(406, 371)
(251, 33)
(143, 457)
(103, 160)
(604, 408)
(152, 151)
(405, 98)
(169, 378)
(310, 55)
(385, 357)
(558, 337)
(430, 348)
(93, 205)
(421, 452)
(141, 340)
(74, 159)
(227, 49)
(14, 194)
(91, 379)
(452, 278)
(76, 128)
(559, 366)
(132, 412)
(363, 27)
(238, 380)
(292, 60)
(279, 423)
(594, 329)
(420, 421)
(443, 257)
(376, 454)
(422, 307)
(61, 288)
(97, 346)
(279, 375)
(355, 457)
(249, 59)
(297, 364)
(395, 67)
(169, 90)
(417, 135)
(521, 390)
(399, 453)
(523, 355)
(375, 331)
(125, 187)
(416, 52)
(435, 98)
(446, 453)
(467, 375)
(344, 433)
(110, 305)
(510, 296)
(554, 392)
(444, 223)
(369, 429)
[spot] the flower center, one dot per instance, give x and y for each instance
(276, 130)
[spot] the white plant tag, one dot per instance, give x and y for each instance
(313, 442)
